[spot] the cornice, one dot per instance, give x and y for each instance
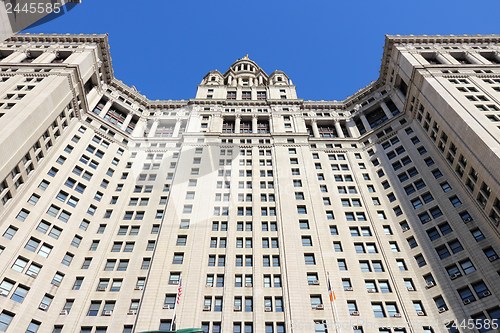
(391, 41)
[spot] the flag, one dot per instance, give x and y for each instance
(331, 293)
(179, 291)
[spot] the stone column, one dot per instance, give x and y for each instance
(365, 122)
(177, 128)
(442, 59)
(237, 123)
(471, 58)
(152, 130)
(106, 108)
(338, 128)
(271, 123)
(20, 56)
(139, 128)
(314, 127)
(351, 127)
(254, 124)
(127, 120)
(49, 57)
(496, 55)
(387, 112)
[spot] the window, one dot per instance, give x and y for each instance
(5, 320)
(309, 259)
(78, 283)
(45, 302)
(477, 234)
(178, 258)
(94, 308)
(378, 310)
(10, 232)
(342, 264)
(19, 294)
(86, 263)
(68, 257)
(466, 295)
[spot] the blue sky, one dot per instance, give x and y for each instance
(330, 49)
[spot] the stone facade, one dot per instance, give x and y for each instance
(251, 196)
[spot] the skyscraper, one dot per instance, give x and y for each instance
(379, 213)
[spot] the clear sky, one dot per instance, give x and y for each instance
(329, 48)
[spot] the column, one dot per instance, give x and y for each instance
(139, 128)
(365, 122)
(127, 120)
(442, 59)
(271, 123)
(48, 57)
(471, 58)
(237, 123)
(314, 127)
(496, 55)
(152, 130)
(351, 127)
(20, 56)
(177, 128)
(338, 128)
(254, 124)
(387, 112)
(106, 108)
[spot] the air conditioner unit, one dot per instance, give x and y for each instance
(268, 309)
(132, 312)
(420, 313)
(429, 284)
(173, 282)
(63, 313)
(406, 229)
(397, 315)
(107, 313)
(3, 293)
(168, 306)
(209, 285)
(468, 219)
(43, 307)
(314, 283)
(355, 313)
(441, 310)
(466, 301)
(139, 288)
(206, 308)
(320, 307)
(347, 288)
(248, 285)
(372, 290)
(486, 293)
(492, 258)
(454, 276)
(410, 288)
(101, 288)
(32, 274)
(237, 308)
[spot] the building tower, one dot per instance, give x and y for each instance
(254, 198)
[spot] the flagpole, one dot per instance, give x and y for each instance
(177, 302)
(332, 297)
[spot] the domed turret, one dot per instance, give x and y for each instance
(245, 72)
